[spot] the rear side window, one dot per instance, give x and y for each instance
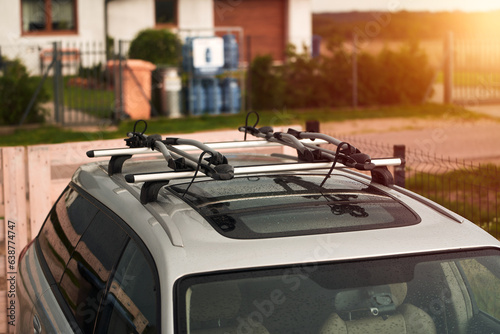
(132, 302)
(484, 284)
(66, 223)
(85, 279)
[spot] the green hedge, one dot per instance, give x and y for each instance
(267, 84)
(388, 78)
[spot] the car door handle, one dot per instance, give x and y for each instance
(37, 326)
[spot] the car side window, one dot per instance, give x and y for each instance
(86, 276)
(131, 305)
(484, 286)
(67, 221)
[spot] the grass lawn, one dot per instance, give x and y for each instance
(54, 134)
(471, 192)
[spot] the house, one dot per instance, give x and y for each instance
(27, 27)
(268, 24)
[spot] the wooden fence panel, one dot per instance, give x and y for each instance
(15, 224)
(3, 282)
(39, 186)
(2, 204)
(3, 271)
(3, 306)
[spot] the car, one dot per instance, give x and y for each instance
(244, 242)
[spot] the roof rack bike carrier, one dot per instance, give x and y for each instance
(346, 154)
(139, 143)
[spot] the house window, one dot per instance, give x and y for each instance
(51, 16)
(166, 12)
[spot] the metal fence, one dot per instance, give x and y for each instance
(470, 189)
(77, 77)
(472, 70)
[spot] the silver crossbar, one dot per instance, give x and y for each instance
(166, 176)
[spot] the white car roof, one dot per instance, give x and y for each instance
(181, 239)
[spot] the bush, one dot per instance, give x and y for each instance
(94, 72)
(300, 74)
(391, 77)
(334, 79)
(16, 90)
(401, 77)
(158, 46)
(267, 84)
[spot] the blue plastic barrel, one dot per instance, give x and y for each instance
(231, 96)
(316, 46)
(231, 52)
(197, 98)
(213, 95)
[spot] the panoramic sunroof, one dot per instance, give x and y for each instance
(292, 205)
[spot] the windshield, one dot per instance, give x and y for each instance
(441, 293)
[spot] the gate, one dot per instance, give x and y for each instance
(472, 70)
(84, 89)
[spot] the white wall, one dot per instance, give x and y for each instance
(14, 45)
(300, 23)
(11, 43)
(91, 20)
(127, 17)
(10, 21)
(196, 15)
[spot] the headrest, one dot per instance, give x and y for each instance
(398, 291)
(375, 300)
(214, 301)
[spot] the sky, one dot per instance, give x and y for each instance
(412, 5)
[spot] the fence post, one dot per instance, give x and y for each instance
(448, 69)
(399, 171)
(120, 81)
(312, 126)
(55, 82)
(355, 70)
(58, 85)
(249, 72)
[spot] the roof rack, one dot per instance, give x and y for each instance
(345, 154)
(185, 165)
